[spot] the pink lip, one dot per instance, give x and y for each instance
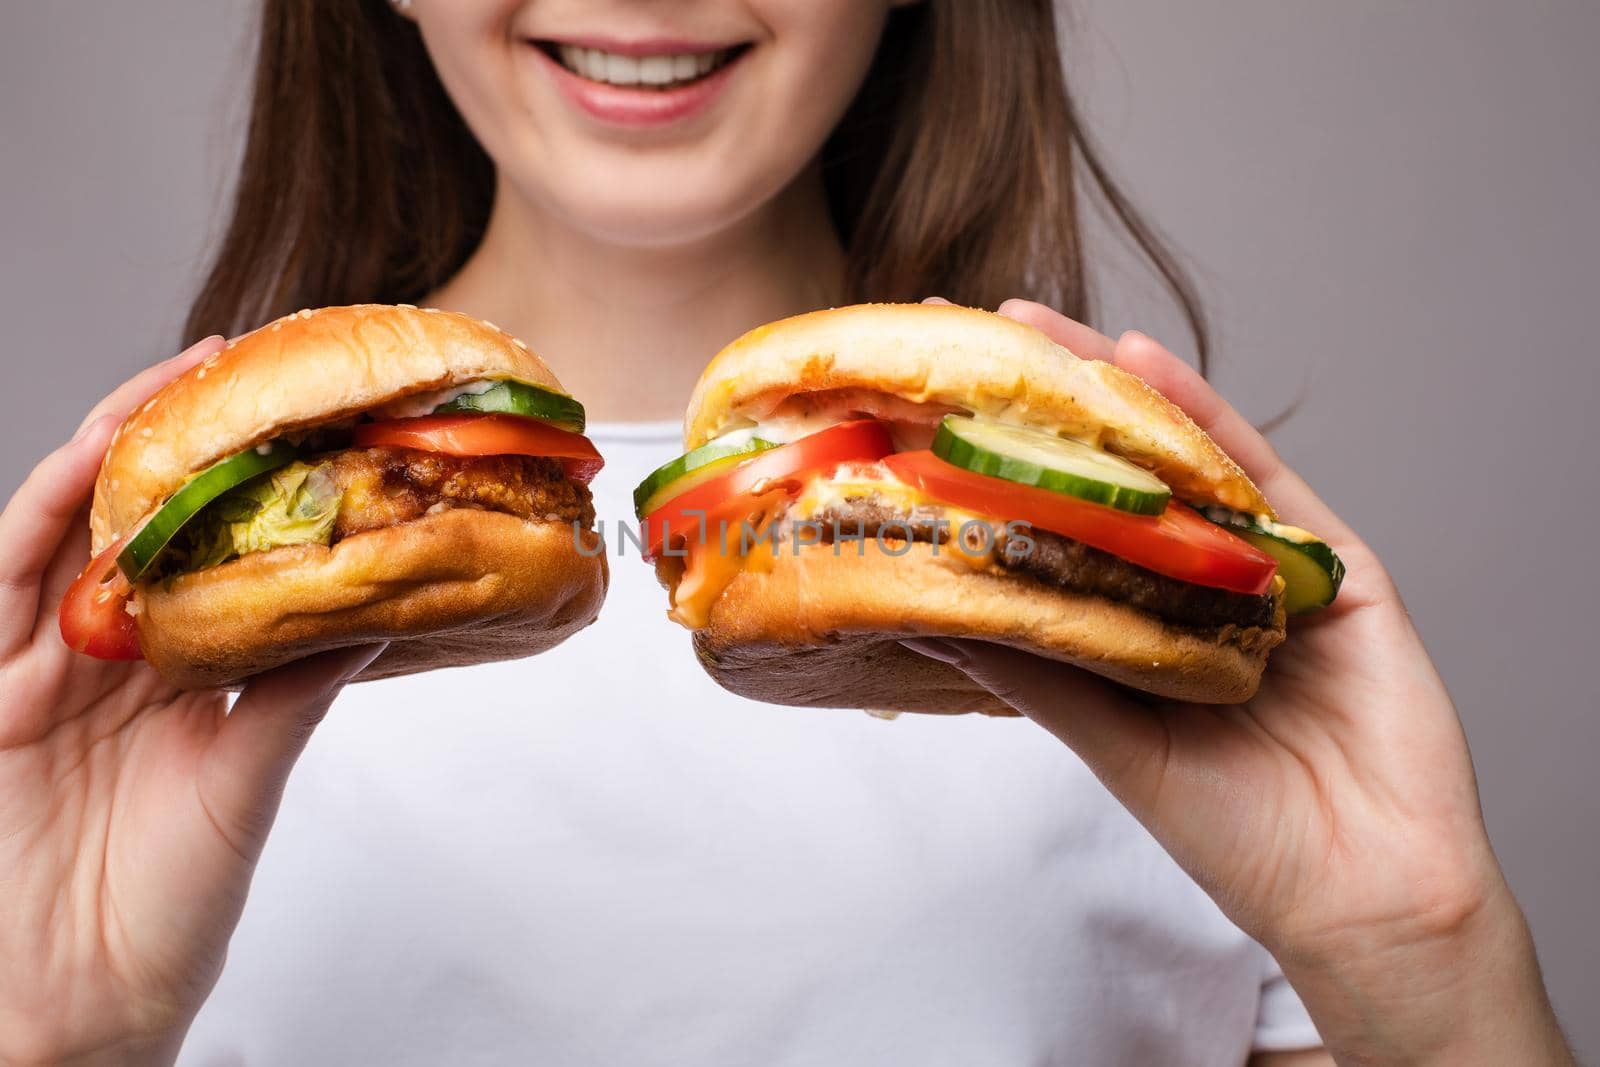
(629, 106)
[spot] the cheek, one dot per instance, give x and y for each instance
(471, 45)
(815, 60)
(822, 49)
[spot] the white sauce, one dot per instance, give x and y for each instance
(781, 429)
(418, 404)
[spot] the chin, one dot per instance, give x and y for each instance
(632, 220)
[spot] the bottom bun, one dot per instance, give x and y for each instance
(823, 629)
(453, 588)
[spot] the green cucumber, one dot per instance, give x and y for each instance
(195, 494)
(1312, 571)
(518, 398)
(690, 470)
(1039, 459)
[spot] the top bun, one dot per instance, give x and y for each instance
(303, 370)
(973, 360)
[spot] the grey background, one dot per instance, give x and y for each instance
(1392, 207)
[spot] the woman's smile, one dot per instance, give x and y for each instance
(638, 83)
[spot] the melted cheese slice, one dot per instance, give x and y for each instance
(714, 560)
(711, 563)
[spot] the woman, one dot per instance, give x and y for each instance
(599, 857)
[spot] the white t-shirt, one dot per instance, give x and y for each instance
(598, 857)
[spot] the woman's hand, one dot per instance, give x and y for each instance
(1335, 816)
(131, 814)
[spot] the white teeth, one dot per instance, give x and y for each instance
(621, 70)
(656, 70)
(617, 69)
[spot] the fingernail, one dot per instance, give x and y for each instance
(364, 658)
(935, 648)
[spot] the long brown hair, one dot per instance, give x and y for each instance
(961, 169)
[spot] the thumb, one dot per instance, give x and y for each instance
(1119, 738)
(266, 730)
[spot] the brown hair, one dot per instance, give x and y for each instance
(960, 170)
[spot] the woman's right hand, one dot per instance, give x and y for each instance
(131, 813)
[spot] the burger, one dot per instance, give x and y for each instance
(859, 476)
(343, 476)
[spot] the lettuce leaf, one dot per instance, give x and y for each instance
(293, 505)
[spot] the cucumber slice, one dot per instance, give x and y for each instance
(1312, 571)
(691, 469)
(1042, 460)
(195, 494)
(519, 398)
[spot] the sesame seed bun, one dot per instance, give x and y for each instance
(818, 627)
(453, 587)
(307, 369)
(971, 360)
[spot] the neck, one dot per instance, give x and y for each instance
(628, 329)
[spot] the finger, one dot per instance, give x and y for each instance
(38, 519)
(1119, 739)
(266, 730)
(1182, 384)
(136, 390)
(937, 300)
(1083, 341)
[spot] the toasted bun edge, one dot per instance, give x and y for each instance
(456, 587)
(770, 629)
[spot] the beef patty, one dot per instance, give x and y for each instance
(1062, 562)
(387, 486)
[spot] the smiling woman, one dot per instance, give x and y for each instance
(598, 856)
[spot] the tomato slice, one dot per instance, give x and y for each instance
(695, 512)
(486, 435)
(1178, 543)
(94, 617)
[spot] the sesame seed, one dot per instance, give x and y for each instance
(491, 325)
(408, 307)
(146, 432)
(201, 373)
(116, 483)
(277, 326)
(520, 343)
(304, 313)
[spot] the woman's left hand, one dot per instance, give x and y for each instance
(1335, 815)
